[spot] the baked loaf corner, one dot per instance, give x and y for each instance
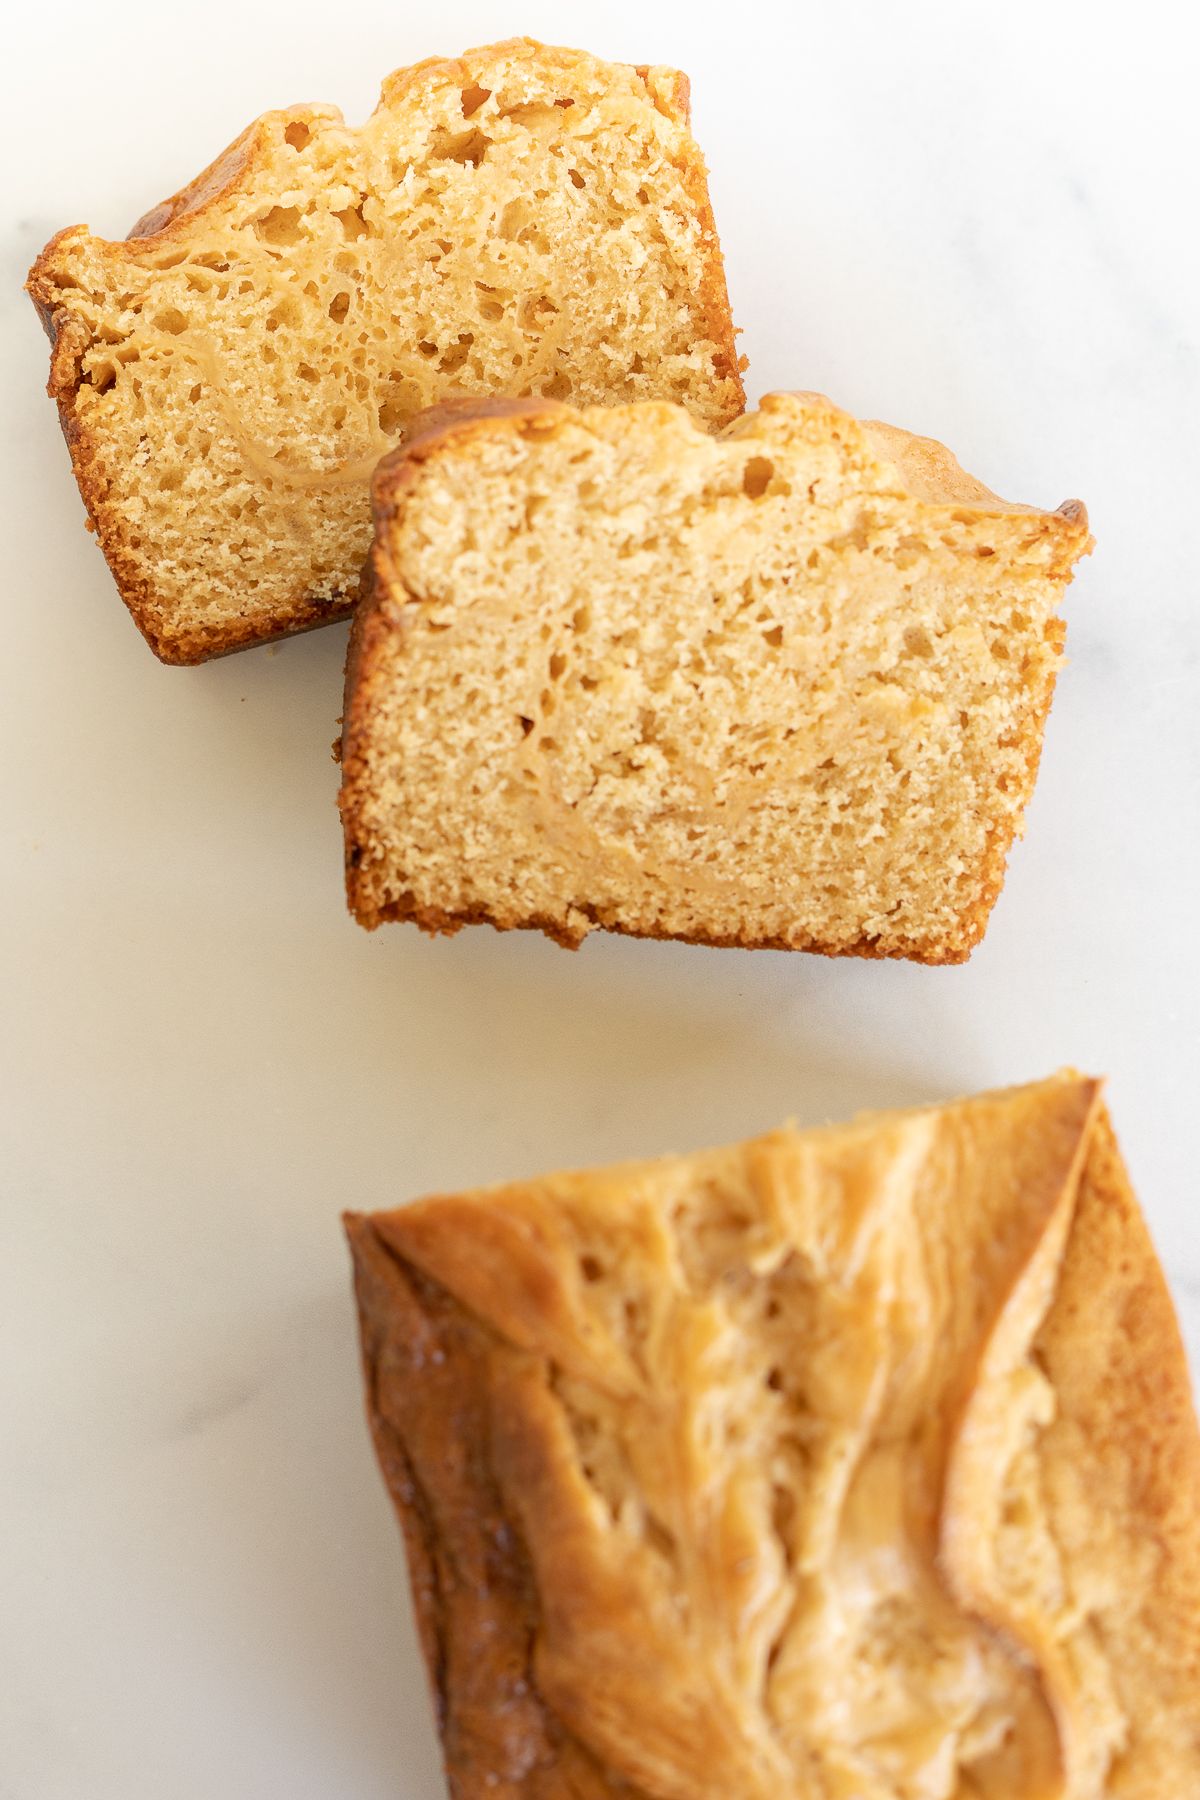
(868, 1450)
(523, 219)
(781, 688)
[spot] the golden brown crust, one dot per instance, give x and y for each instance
(472, 1590)
(1113, 1349)
(930, 471)
(173, 219)
(925, 467)
(1126, 1447)
(213, 183)
(447, 924)
(477, 1330)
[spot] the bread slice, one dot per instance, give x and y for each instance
(522, 221)
(782, 688)
(856, 1462)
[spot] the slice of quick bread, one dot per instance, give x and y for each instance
(855, 1462)
(523, 221)
(784, 687)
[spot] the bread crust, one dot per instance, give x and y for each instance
(1120, 1459)
(173, 219)
(474, 1598)
(1126, 1430)
(928, 469)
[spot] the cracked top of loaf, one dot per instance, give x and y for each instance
(854, 1464)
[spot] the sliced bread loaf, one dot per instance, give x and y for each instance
(866, 1451)
(522, 221)
(783, 687)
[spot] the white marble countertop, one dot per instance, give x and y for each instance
(979, 223)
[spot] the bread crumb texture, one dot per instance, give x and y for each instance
(785, 686)
(524, 220)
(855, 1464)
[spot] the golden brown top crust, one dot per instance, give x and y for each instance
(218, 179)
(931, 472)
(924, 468)
(854, 1463)
(423, 435)
(928, 471)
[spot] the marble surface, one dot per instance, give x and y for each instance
(978, 223)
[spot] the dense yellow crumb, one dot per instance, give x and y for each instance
(784, 687)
